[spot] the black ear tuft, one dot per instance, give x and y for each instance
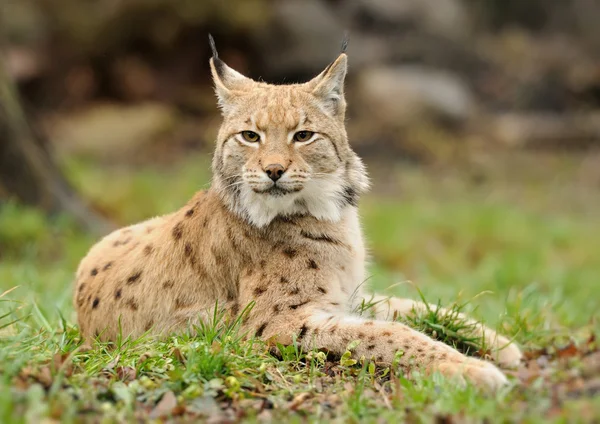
(344, 42)
(213, 47)
(219, 65)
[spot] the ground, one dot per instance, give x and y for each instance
(520, 252)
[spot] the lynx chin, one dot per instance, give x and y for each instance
(278, 228)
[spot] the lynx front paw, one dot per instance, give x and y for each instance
(506, 354)
(482, 374)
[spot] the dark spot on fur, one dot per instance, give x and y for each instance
(188, 251)
(380, 358)
(205, 222)
(259, 290)
(261, 329)
(284, 280)
(249, 272)
(277, 245)
(319, 237)
(262, 264)
(94, 272)
(180, 303)
(420, 350)
(298, 305)
(122, 242)
(276, 309)
(95, 304)
(294, 291)
(230, 295)
(369, 323)
(387, 333)
(235, 309)
(81, 287)
(390, 341)
(107, 266)
(218, 255)
(333, 329)
(189, 213)
(148, 249)
(322, 290)
(168, 284)
(235, 245)
(133, 305)
(361, 335)
(343, 268)
(371, 347)
(334, 304)
(443, 356)
(290, 253)
(303, 331)
(134, 278)
(178, 231)
(350, 196)
(118, 294)
(312, 264)
(149, 325)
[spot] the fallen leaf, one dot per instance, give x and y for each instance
(165, 407)
(112, 363)
(298, 400)
(179, 355)
(126, 373)
(568, 351)
(45, 377)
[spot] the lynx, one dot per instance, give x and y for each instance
(278, 229)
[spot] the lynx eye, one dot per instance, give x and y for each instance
(250, 136)
(301, 136)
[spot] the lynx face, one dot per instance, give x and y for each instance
(283, 150)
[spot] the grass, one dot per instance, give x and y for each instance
(528, 270)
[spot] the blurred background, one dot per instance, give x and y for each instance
(479, 121)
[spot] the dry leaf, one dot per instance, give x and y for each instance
(165, 407)
(568, 351)
(112, 363)
(126, 373)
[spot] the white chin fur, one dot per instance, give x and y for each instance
(321, 197)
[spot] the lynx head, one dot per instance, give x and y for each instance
(282, 150)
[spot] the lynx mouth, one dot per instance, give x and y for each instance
(277, 191)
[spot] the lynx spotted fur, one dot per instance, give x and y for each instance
(278, 228)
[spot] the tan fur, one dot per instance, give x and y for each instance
(295, 251)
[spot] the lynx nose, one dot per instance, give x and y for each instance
(274, 171)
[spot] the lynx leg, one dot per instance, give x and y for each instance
(379, 340)
(503, 350)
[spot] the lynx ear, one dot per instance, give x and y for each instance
(329, 86)
(227, 80)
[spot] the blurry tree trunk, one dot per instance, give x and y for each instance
(27, 170)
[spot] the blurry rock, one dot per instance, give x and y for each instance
(301, 38)
(538, 129)
(23, 63)
(400, 95)
(111, 130)
(447, 17)
(134, 79)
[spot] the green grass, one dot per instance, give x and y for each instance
(529, 270)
